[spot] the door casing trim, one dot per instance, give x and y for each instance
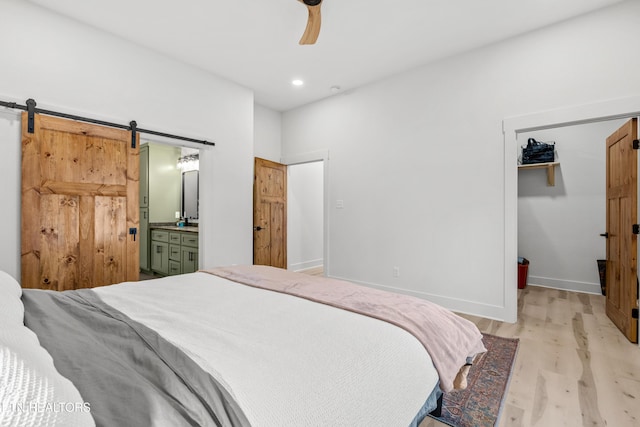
(619, 108)
(317, 156)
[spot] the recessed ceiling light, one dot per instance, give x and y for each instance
(297, 82)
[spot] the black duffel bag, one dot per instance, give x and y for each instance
(538, 152)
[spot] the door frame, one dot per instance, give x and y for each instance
(621, 108)
(317, 156)
(203, 195)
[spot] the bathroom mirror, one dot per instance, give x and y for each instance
(190, 195)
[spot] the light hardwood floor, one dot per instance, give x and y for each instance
(573, 368)
(314, 271)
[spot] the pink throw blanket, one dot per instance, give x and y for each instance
(448, 338)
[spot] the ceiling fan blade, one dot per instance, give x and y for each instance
(313, 23)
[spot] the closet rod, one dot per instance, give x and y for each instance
(31, 109)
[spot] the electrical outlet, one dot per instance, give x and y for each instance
(396, 271)
(177, 215)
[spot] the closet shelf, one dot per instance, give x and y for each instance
(550, 167)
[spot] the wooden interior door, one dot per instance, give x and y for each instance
(270, 213)
(622, 193)
(79, 204)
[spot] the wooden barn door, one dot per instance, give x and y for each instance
(622, 191)
(270, 213)
(79, 205)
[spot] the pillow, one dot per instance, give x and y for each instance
(32, 391)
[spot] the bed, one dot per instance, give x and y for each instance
(233, 346)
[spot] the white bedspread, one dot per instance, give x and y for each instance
(287, 361)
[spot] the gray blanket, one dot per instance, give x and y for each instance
(128, 373)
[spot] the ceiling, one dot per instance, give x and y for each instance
(255, 42)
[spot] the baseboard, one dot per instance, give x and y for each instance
(306, 265)
(454, 304)
(565, 285)
(480, 309)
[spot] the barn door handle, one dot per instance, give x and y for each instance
(257, 228)
(605, 235)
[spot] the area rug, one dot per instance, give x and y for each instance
(480, 404)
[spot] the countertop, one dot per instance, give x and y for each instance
(187, 228)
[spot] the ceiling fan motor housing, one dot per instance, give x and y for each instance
(312, 2)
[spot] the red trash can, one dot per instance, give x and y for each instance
(523, 269)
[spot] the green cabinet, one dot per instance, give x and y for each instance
(160, 257)
(174, 268)
(160, 251)
(189, 239)
(189, 252)
(189, 259)
(174, 252)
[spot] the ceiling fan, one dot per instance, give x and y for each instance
(313, 23)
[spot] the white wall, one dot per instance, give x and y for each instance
(305, 210)
(267, 133)
(419, 158)
(73, 68)
(559, 227)
(10, 129)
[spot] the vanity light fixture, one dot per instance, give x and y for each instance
(189, 163)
